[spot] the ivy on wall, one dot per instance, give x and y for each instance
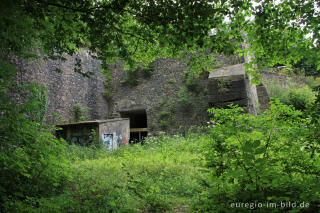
(132, 71)
(107, 92)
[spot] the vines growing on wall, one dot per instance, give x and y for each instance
(38, 96)
(166, 115)
(107, 92)
(81, 113)
(132, 72)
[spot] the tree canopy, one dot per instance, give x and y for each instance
(139, 31)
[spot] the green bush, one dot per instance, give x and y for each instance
(147, 70)
(38, 97)
(313, 82)
(276, 90)
(172, 81)
(163, 124)
(107, 91)
(132, 72)
(299, 96)
(81, 113)
(184, 99)
(32, 160)
(191, 81)
(263, 159)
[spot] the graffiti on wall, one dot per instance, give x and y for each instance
(107, 140)
(112, 141)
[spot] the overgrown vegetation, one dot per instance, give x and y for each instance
(149, 178)
(166, 114)
(271, 158)
(222, 85)
(107, 92)
(263, 159)
(238, 158)
(38, 98)
(81, 113)
(191, 81)
(32, 160)
(184, 99)
(132, 72)
(313, 82)
(299, 96)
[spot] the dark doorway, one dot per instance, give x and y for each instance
(138, 124)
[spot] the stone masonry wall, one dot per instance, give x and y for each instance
(281, 79)
(68, 88)
(169, 108)
(169, 105)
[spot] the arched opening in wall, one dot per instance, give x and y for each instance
(138, 124)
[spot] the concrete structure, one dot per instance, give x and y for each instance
(231, 85)
(110, 133)
(228, 85)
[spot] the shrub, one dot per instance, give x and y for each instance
(172, 81)
(147, 70)
(299, 96)
(191, 81)
(163, 173)
(184, 99)
(107, 91)
(32, 160)
(132, 72)
(261, 159)
(131, 76)
(313, 82)
(81, 113)
(276, 90)
(164, 124)
(38, 96)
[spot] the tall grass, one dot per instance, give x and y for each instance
(161, 175)
(313, 82)
(298, 95)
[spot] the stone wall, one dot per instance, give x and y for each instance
(170, 105)
(158, 95)
(283, 80)
(68, 88)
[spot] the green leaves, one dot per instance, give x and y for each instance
(260, 158)
(32, 161)
(141, 31)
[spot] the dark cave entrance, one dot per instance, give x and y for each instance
(138, 124)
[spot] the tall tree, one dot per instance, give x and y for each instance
(139, 31)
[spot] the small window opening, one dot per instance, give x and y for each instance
(138, 124)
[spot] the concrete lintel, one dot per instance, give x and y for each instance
(237, 69)
(135, 108)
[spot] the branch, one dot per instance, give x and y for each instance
(63, 6)
(87, 11)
